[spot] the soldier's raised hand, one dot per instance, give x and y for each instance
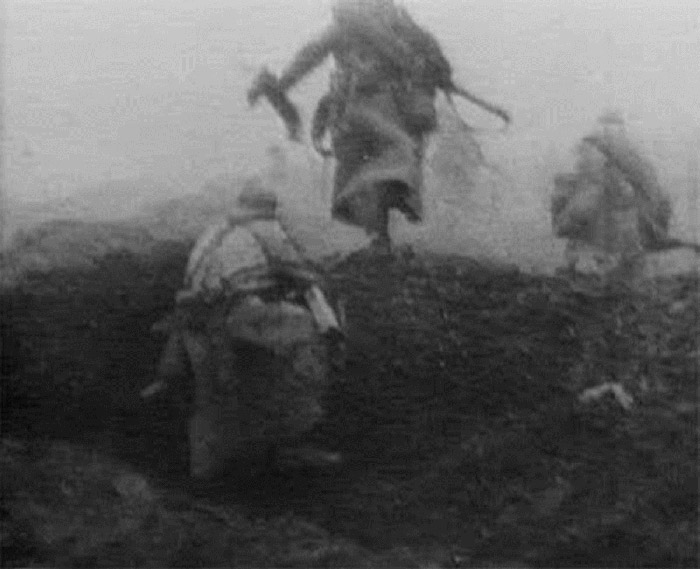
(264, 82)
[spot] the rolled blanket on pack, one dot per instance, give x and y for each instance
(275, 326)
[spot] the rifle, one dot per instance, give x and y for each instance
(673, 243)
(478, 101)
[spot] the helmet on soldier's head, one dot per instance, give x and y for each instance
(612, 122)
(611, 117)
(256, 197)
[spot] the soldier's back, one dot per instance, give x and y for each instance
(226, 258)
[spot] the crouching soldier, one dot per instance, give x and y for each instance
(253, 325)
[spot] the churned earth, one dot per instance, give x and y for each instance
(464, 438)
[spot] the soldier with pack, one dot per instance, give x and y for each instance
(613, 207)
(255, 329)
(378, 112)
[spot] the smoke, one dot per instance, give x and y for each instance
(137, 101)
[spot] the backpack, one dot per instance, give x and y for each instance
(574, 206)
(412, 55)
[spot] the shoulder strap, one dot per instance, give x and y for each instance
(283, 253)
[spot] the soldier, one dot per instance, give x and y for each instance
(613, 207)
(379, 110)
(258, 334)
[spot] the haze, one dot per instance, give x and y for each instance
(154, 92)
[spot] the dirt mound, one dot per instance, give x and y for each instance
(79, 299)
(459, 420)
(86, 509)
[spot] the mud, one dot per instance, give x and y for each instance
(463, 439)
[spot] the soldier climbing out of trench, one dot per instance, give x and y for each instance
(612, 208)
(256, 330)
(378, 112)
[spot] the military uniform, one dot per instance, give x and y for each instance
(612, 208)
(256, 330)
(378, 112)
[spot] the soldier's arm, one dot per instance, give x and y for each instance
(309, 58)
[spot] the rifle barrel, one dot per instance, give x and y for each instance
(493, 109)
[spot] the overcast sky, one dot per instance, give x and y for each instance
(127, 88)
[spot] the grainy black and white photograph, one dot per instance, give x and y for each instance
(349, 283)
